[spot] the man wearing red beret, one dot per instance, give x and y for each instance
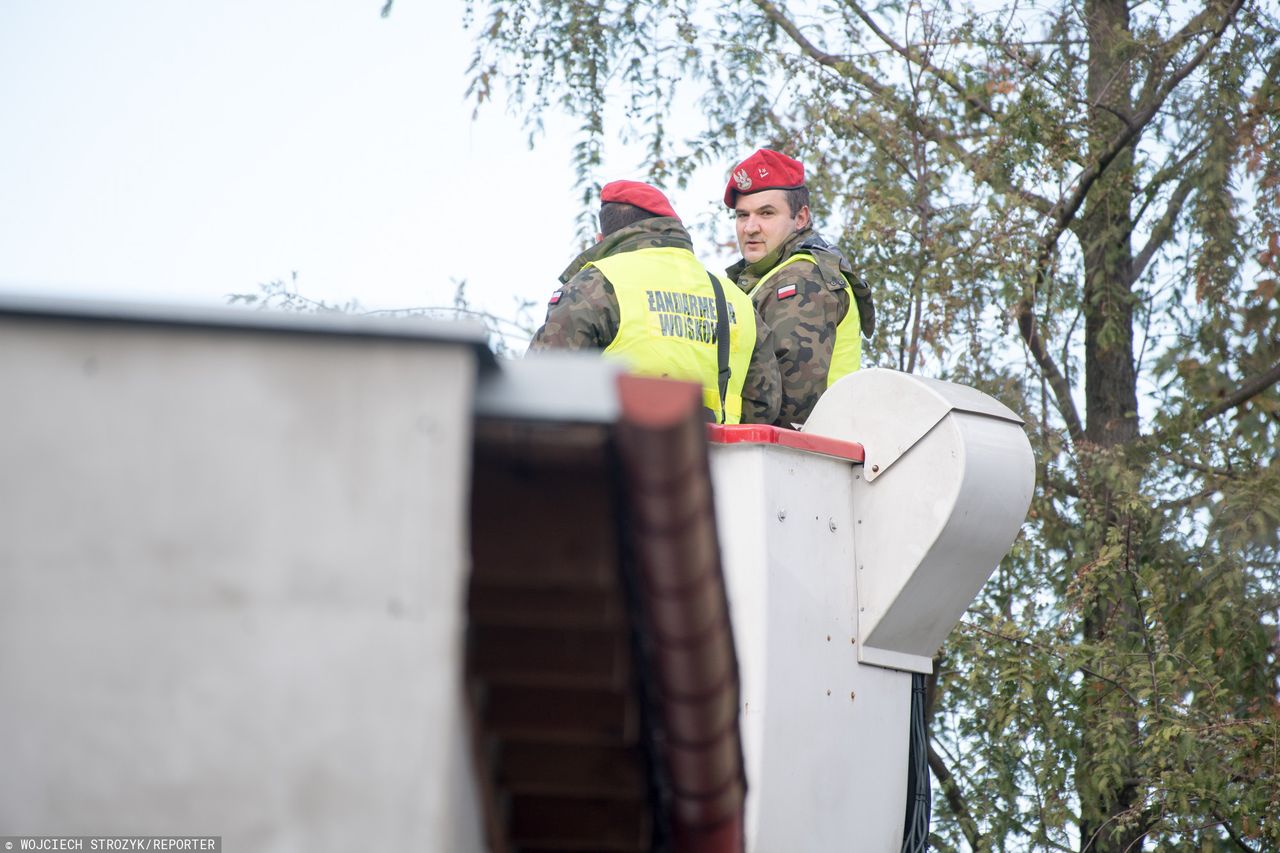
(802, 286)
(641, 296)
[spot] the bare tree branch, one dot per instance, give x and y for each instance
(955, 800)
(1201, 467)
(1243, 394)
(1162, 230)
(1064, 211)
(1171, 170)
(1234, 836)
(1030, 332)
(930, 131)
(913, 56)
(1023, 641)
(1197, 25)
(1178, 503)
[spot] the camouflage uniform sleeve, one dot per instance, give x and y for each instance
(762, 389)
(804, 329)
(585, 316)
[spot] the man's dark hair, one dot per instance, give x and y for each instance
(617, 214)
(796, 199)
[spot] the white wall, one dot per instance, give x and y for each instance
(231, 570)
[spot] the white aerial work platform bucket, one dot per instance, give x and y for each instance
(851, 549)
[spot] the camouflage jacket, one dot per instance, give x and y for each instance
(804, 321)
(584, 313)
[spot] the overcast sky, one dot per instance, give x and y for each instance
(169, 151)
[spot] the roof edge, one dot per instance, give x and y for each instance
(410, 329)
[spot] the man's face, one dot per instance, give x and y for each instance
(763, 221)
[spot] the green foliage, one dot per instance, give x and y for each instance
(1074, 206)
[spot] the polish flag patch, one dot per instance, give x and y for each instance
(555, 297)
(786, 291)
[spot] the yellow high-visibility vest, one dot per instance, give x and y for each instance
(847, 355)
(668, 322)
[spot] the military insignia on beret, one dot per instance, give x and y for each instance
(555, 297)
(786, 291)
(742, 179)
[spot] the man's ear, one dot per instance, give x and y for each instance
(803, 219)
(599, 236)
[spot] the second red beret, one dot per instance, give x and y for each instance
(764, 170)
(640, 194)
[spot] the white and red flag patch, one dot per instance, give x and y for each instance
(555, 297)
(786, 291)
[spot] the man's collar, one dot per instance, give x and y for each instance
(647, 233)
(757, 270)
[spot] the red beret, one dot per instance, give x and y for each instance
(641, 195)
(764, 170)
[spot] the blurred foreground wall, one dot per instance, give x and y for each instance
(231, 566)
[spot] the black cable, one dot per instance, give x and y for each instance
(915, 833)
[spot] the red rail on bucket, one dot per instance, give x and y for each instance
(759, 434)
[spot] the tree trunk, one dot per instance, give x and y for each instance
(1111, 405)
